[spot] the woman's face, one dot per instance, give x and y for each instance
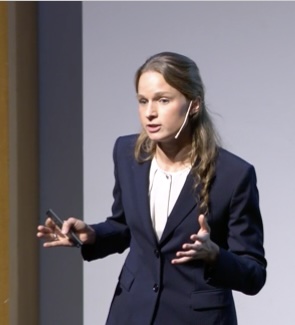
(162, 108)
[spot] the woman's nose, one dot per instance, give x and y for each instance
(151, 110)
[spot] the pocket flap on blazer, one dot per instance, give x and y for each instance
(126, 278)
(211, 299)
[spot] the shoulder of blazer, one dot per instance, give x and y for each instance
(231, 170)
(228, 161)
(126, 142)
(127, 139)
(124, 149)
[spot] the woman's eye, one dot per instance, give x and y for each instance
(142, 101)
(164, 100)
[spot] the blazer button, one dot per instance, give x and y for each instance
(157, 253)
(155, 288)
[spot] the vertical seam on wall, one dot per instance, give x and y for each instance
(4, 179)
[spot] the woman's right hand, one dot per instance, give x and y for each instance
(54, 236)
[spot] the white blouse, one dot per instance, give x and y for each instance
(164, 190)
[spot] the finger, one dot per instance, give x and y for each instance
(50, 223)
(200, 237)
(67, 225)
(48, 236)
(181, 260)
(195, 246)
(54, 236)
(58, 243)
(45, 236)
(48, 233)
(203, 223)
(185, 256)
(189, 253)
(56, 239)
(44, 230)
(44, 233)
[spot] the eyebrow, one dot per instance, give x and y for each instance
(157, 94)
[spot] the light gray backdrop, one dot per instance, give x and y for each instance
(245, 51)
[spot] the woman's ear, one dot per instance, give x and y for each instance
(195, 106)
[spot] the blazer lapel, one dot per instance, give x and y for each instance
(186, 201)
(184, 204)
(141, 181)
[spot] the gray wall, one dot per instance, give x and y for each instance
(245, 51)
(61, 161)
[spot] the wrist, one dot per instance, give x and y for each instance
(91, 236)
(212, 257)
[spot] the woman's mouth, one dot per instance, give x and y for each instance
(153, 128)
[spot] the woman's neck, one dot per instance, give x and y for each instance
(173, 157)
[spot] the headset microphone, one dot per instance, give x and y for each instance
(185, 119)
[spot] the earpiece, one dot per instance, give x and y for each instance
(185, 119)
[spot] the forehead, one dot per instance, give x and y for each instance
(152, 82)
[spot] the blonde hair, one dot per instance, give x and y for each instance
(182, 73)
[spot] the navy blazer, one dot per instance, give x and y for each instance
(150, 289)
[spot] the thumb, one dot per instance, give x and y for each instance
(204, 226)
(67, 225)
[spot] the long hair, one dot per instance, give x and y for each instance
(182, 73)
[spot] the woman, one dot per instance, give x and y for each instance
(187, 209)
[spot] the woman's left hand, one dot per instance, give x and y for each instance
(202, 248)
